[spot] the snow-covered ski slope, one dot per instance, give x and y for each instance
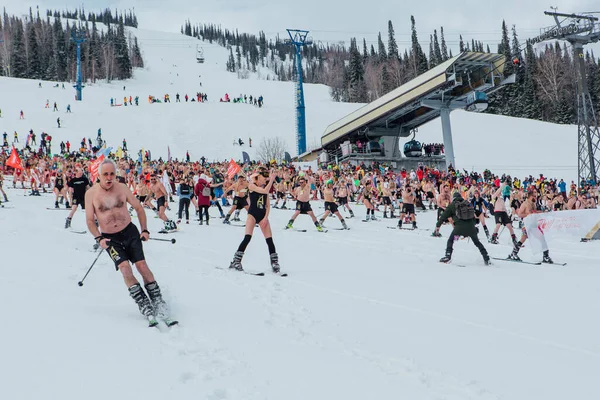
(206, 129)
(368, 313)
(506, 145)
(365, 314)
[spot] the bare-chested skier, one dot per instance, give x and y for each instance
(528, 207)
(107, 203)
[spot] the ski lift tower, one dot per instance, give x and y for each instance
(580, 30)
(78, 38)
(299, 38)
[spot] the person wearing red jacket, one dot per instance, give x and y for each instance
(202, 192)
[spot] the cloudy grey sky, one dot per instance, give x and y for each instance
(336, 20)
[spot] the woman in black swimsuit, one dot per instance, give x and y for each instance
(258, 213)
(59, 186)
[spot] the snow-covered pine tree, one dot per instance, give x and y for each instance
(392, 45)
(444, 48)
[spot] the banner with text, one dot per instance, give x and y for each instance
(543, 227)
(233, 169)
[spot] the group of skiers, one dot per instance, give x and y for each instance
(463, 201)
(256, 100)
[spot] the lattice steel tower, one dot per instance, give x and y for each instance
(580, 30)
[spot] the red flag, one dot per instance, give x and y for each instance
(94, 167)
(14, 160)
(233, 169)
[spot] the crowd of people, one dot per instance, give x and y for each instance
(253, 100)
(189, 189)
(433, 149)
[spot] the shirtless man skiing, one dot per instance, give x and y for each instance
(330, 206)
(160, 194)
(528, 207)
(408, 207)
(342, 195)
(240, 200)
(302, 196)
(107, 203)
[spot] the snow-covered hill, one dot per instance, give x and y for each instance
(368, 313)
(505, 145)
(206, 129)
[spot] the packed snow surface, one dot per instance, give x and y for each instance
(365, 313)
(368, 313)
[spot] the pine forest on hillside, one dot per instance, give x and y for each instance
(545, 88)
(38, 48)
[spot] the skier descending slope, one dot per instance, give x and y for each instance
(107, 202)
(528, 207)
(258, 213)
(463, 215)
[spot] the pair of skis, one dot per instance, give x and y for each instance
(153, 321)
(251, 273)
(528, 262)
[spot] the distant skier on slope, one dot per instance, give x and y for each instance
(107, 203)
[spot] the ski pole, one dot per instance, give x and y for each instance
(80, 283)
(164, 240)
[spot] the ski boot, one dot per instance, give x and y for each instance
(514, 256)
(486, 259)
(494, 239)
(447, 258)
(68, 223)
(159, 305)
(547, 258)
(139, 296)
(275, 262)
(514, 239)
(237, 261)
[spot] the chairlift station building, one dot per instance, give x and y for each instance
(461, 82)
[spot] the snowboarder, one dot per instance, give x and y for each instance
(463, 215)
(122, 240)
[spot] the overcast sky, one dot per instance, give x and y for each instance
(336, 20)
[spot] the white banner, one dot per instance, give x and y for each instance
(303, 166)
(543, 227)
